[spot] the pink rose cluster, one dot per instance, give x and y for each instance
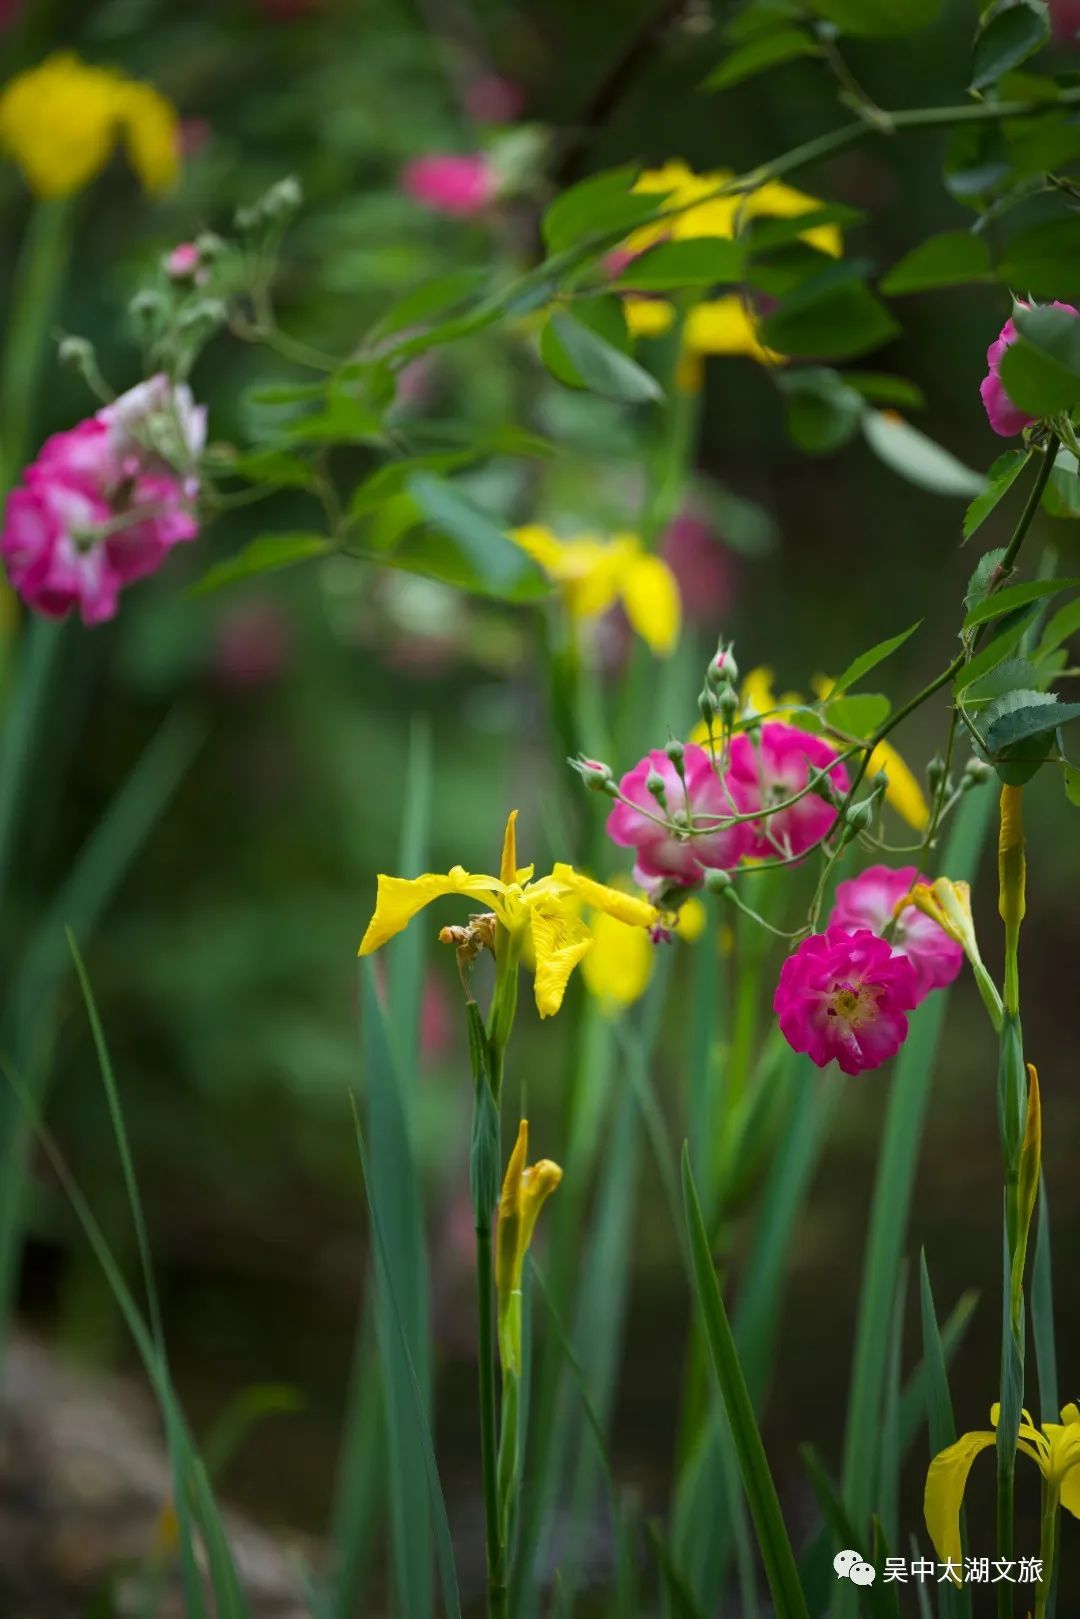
(844, 994)
(1006, 418)
(763, 771)
(105, 502)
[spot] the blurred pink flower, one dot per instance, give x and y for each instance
(1065, 21)
(450, 182)
(773, 766)
(1006, 418)
(492, 99)
(194, 135)
(842, 996)
(436, 1020)
(184, 263)
(662, 856)
(10, 12)
(701, 565)
(869, 901)
(105, 502)
(253, 644)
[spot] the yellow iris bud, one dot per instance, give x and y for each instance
(525, 1191)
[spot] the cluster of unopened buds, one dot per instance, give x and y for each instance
(767, 793)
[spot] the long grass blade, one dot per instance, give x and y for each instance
(444, 1546)
(393, 1191)
(780, 1569)
(955, 1603)
(190, 1486)
(94, 877)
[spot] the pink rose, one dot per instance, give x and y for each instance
(450, 183)
(773, 766)
(869, 901)
(843, 996)
(662, 854)
(1006, 418)
(105, 502)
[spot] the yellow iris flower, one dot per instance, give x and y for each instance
(619, 965)
(593, 574)
(725, 325)
(722, 216)
(1053, 1447)
(526, 1189)
(545, 912)
(903, 792)
(60, 123)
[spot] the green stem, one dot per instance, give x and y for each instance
(1004, 1541)
(485, 1349)
(1047, 1548)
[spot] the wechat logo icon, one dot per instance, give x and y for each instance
(850, 1566)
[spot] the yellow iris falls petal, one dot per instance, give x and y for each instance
(593, 574)
(726, 326)
(61, 121)
(1054, 1448)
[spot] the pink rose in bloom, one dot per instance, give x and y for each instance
(450, 183)
(662, 856)
(491, 99)
(1006, 418)
(105, 502)
(869, 901)
(842, 996)
(773, 767)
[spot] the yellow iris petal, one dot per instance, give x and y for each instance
(778, 201)
(541, 543)
(399, 899)
(648, 317)
(617, 968)
(508, 866)
(152, 135)
(946, 1482)
(559, 940)
(903, 792)
(650, 594)
(726, 326)
(612, 901)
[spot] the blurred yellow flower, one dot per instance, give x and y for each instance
(648, 317)
(722, 216)
(593, 574)
(725, 325)
(60, 123)
(619, 965)
(545, 912)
